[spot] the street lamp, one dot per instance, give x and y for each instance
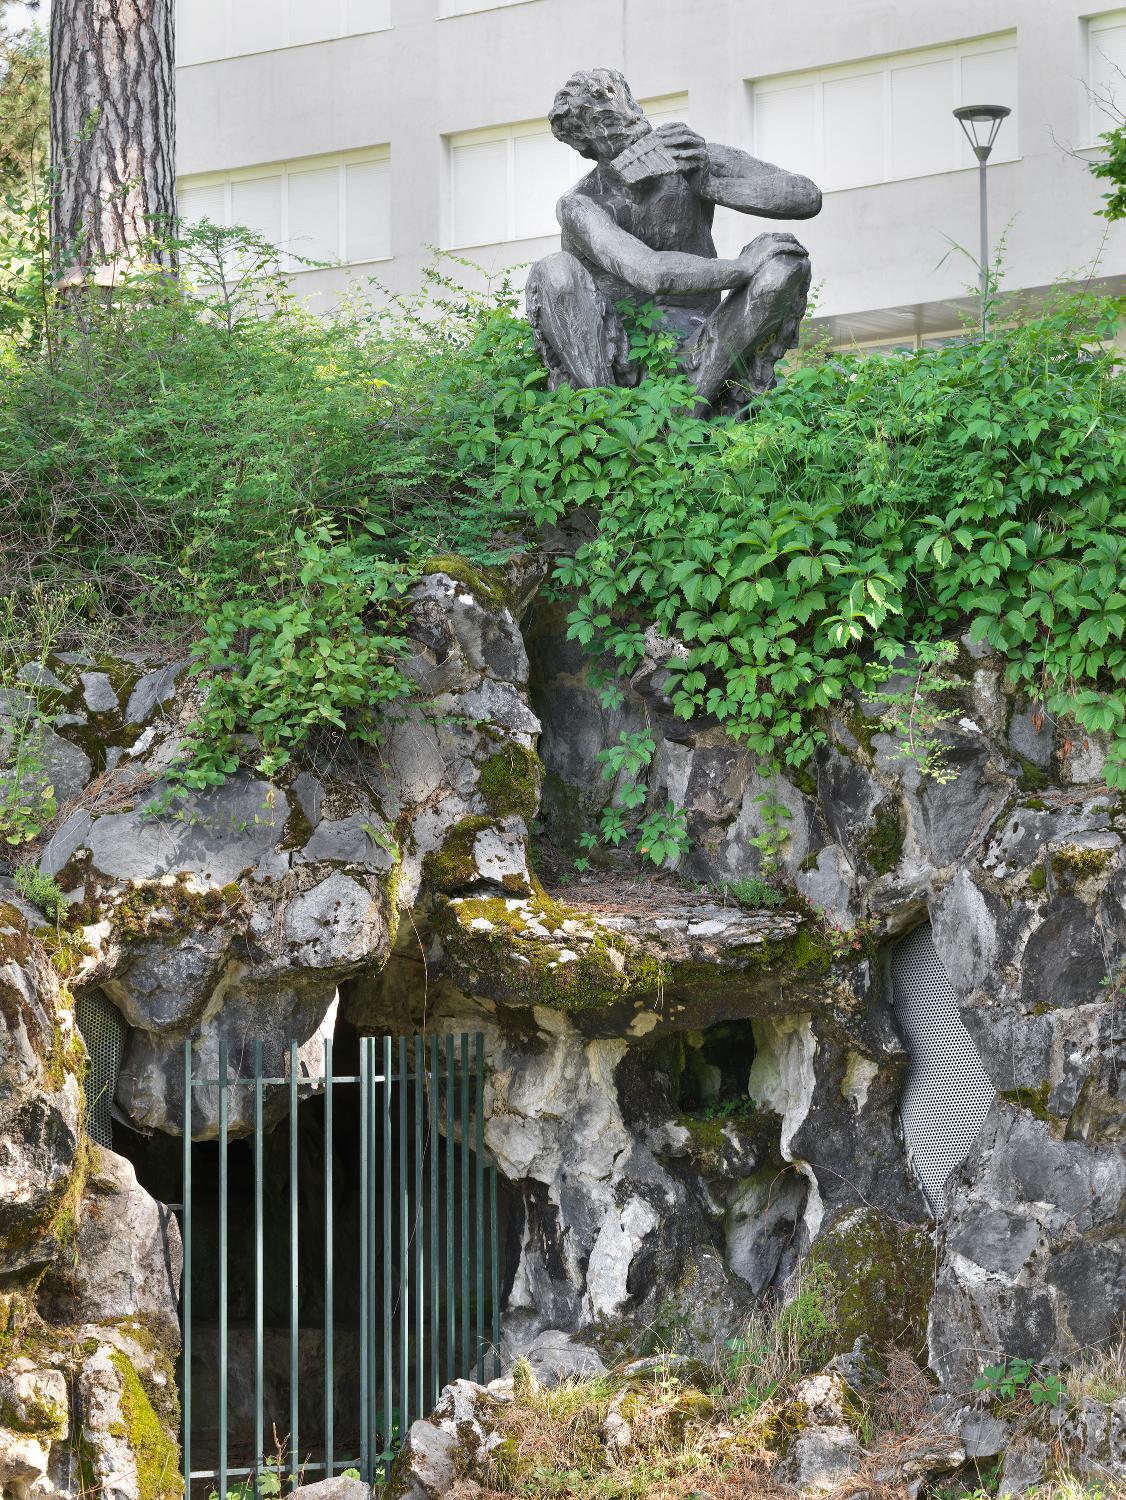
(981, 122)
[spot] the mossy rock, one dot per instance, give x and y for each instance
(453, 867)
(533, 950)
(878, 1278)
(509, 781)
(881, 844)
(155, 1453)
(483, 584)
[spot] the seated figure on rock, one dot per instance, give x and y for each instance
(639, 229)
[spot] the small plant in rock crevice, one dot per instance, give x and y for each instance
(660, 835)
(1016, 1377)
(42, 891)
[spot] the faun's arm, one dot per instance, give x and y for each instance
(654, 272)
(736, 179)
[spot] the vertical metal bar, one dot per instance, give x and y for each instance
(479, 1194)
(451, 1221)
(434, 1137)
(294, 1445)
(984, 196)
(365, 1261)
(388, 1309)
(494, 1270)
(223, 1267)
(186, 1378)
(418, 1221)
(404, 1245)
(259, 1277)
(374, 1242)
(466, 1356)
(330, 1381)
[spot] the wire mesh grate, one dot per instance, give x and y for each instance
(103, 1030)
(948, 1092)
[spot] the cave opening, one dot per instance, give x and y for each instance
(437, 1224)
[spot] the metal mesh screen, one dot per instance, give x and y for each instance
(103, 1030)
(948, 1092)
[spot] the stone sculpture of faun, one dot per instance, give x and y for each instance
(638, 228)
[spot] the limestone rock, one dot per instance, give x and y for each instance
(127, 1256)
(819, 1459)
(40, 1102)
(337, 1488)
(554, 1356)
(444, 1447)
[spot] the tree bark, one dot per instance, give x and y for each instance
(113, 133)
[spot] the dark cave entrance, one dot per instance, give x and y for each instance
(438, 1263)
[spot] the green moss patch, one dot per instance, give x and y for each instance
(509, 781)
(1072, 865)
(484, 586)
(154, 908)
(536, 951)
(879, 1277)
(1035, 1101)
(155, 1454)
(881, 845)
(453, 867)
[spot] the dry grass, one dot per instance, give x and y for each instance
(664, 1439)
(1100, 1374)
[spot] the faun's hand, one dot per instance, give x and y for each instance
(755, 255)
(688, 149)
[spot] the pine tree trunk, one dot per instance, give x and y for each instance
(113, 132)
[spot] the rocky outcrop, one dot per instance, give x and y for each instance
(685, 1098)
(89, 1268)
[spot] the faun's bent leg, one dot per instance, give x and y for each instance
(579, 336)
(754, 325)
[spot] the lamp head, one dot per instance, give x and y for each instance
(981, 122)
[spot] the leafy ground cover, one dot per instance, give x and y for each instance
(203, 463)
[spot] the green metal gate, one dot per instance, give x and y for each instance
(424, 1308)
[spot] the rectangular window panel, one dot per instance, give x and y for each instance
(256, 26)
(662, 111)
(468, 7)
(1107, 76)
(201, 30)
(852, 125)
(853, 129)
(366, 15)
(991, 78)
(543, 171)
(329, 208)
(211, 29)
(368, 200)
(311, 23)
(314, 214)
(925, 138)
(196, 203)
(479, 179)
(257, 203)
(786, 128)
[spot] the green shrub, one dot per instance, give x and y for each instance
(224, 467)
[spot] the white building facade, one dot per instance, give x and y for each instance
(375, 133)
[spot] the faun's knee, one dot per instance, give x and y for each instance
(558, 276)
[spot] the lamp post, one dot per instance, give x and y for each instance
(981, 122)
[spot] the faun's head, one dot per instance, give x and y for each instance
(596, 113)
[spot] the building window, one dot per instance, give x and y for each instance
(468, 7)
(506, 181)
(210, 29)
(887, 118)
(335, 208)
(1106, 42)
